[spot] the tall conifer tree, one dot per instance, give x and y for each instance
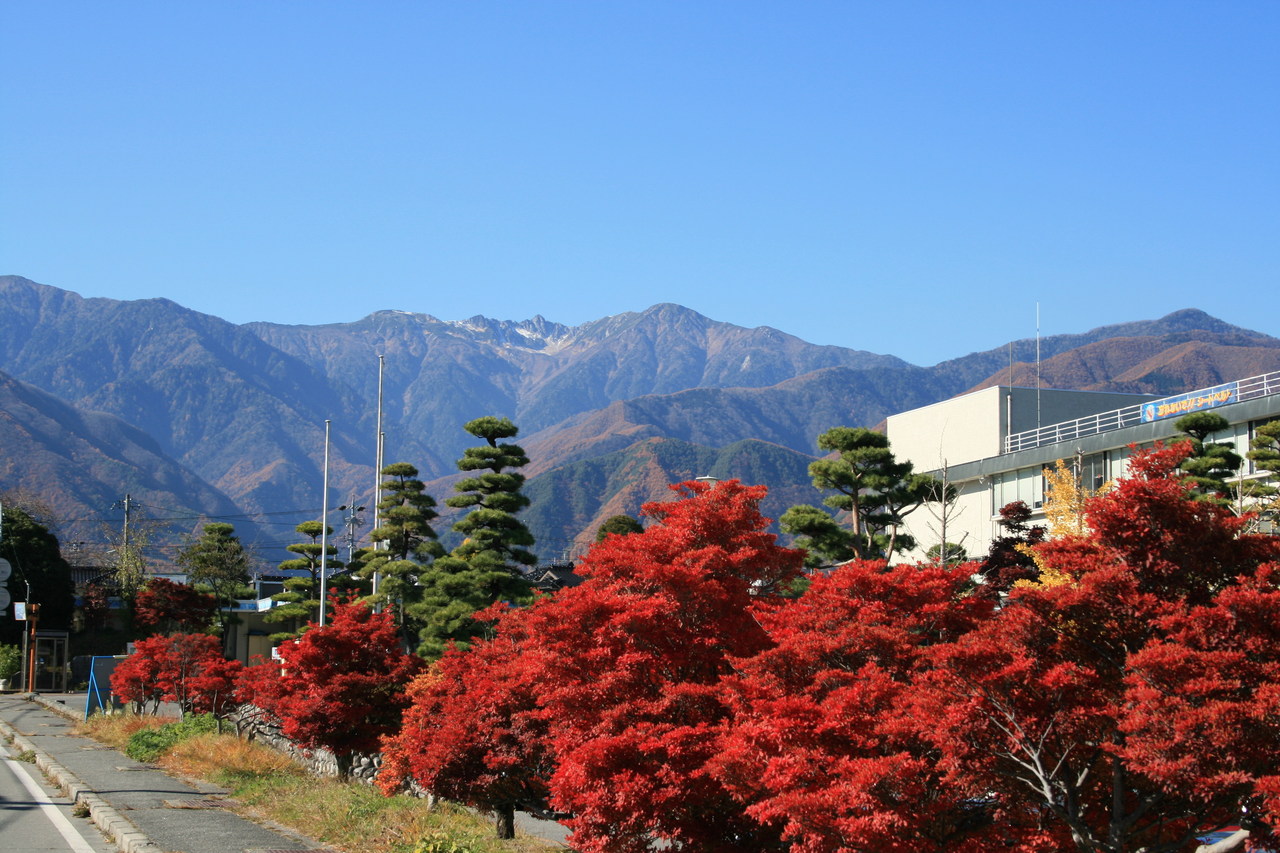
(486, 566)
(300, 602)
(218, 562)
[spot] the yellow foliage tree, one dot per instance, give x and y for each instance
(1064, 502)
(1065, 498)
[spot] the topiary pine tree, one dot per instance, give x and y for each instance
(1211, 464)
(404, 540)
(872, 486)
(300, 602)
(486, 567)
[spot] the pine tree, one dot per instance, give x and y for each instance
(1211, 464)
(619, 525)
(872, 487)
(486, 566)
(1262, 496)
(300, 602)
(404, 541)
(218, 562)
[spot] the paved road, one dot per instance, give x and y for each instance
(140, 807)
(34, 818)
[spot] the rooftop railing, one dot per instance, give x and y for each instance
(1245, 389)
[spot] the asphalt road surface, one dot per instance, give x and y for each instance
(34, 818)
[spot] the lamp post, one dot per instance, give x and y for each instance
(324, 529)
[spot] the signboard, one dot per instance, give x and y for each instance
(1185, 404)
(100, 697)
(20, 611)
(5, 570)
(5, 598)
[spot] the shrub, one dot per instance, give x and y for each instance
(150, 744)
(10, 661)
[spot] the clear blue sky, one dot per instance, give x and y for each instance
(903, 177)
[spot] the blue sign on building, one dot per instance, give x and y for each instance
(1185, 404)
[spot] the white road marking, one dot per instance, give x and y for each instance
(51, 811)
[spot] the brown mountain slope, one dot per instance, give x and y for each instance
(81, 463)
(1147, 365)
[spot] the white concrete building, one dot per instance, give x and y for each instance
(994, 444)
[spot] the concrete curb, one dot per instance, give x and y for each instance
(127, 837)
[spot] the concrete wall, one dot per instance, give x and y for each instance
(958, 430)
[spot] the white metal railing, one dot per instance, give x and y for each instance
(1246, 389)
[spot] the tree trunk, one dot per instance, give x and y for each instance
(505, 821)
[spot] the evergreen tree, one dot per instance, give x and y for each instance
(1211, 464)
(300, 601)
(872, 487)
(33, 553)
(218, 562)
(404, 540)
(621, 525)
(485, 567)
(1265, 447)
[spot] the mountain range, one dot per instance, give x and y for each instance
(197, 418)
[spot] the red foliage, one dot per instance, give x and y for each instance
(670, 697)
(823, 741)
(96, 608)
(1092, 702)
(188, 669)
(473, 732)
(1203, 715)
(165, 607)
(136, 679)
(340, 687)
(632, 661)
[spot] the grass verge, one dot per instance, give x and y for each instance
(351, 816)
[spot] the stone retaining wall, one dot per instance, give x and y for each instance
(256, 725)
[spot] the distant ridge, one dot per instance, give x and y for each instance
(242, 408)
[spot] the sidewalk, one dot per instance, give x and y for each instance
(141, 808)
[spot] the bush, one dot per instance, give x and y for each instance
(150, 744)
(10, 661)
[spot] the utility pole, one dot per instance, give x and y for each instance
(127, 501)
(351, 521)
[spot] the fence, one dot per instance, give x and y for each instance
(1263, 385)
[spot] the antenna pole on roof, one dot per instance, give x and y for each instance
(1037, 365)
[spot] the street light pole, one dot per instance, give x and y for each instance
(324, 529)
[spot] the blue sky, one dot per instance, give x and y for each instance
(907, 177)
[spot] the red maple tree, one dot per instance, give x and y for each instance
(339, 687)
(632, 661)
(187, 669)
(473, 731)
(823, 743)
(1097, 703)
(165, 607)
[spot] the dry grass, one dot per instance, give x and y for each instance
(226, 760)
(349, 816)
(116, 729)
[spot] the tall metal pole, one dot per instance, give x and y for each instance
(377, 466)
(324, 529)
